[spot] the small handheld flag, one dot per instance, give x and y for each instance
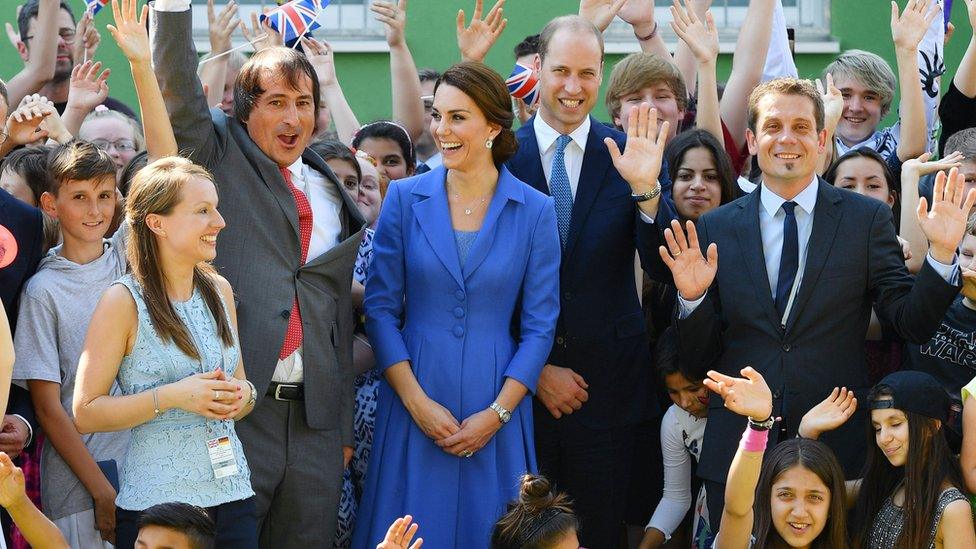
(523, 84)
(295, 19)
(94, 6)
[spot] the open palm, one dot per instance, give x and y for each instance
(129, 32)
(692, 272)
(700, 34)
(600, 12)
(747, 396)
(908, 29)
(476, 39)
(829, 414)
(945, 222)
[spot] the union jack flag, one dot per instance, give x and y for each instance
(523, 84)
(94, 6)
(295, 19)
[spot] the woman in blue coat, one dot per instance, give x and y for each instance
(461, 304)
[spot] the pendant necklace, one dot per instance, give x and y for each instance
(469, 209)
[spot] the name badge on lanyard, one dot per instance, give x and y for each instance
(222, 458)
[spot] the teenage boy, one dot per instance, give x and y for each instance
(57, 303)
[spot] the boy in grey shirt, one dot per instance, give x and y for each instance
(55, 308)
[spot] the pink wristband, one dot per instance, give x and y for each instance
(753, 440)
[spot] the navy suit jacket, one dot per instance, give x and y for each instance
(854, 263)
(27, 226)
(601, 333)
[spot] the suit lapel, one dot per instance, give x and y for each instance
(433, 214)
(527, 161)
(750, 243)
(270, 174)
(826, 219)
(508, 189)
(596, 161)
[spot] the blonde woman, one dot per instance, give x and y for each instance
(167, 333)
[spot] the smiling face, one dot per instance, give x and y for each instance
(389, 155)
(460, 130)
(368, 197)
(697, 187)
(799, 505)
(282, 121)
(865, 177)
(190, 230)
(84, 209)
(113, 136)
(862, 110)
(891, 433)
(570, 77)
(690, 396)
(786, 141)
(659, 96)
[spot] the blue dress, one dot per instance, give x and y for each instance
(453, 321)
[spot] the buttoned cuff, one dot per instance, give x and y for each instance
(685, 307)
(949, 273)
(644, 217)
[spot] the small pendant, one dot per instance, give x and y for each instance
(467, 211)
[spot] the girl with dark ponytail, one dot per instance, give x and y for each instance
(540, 519)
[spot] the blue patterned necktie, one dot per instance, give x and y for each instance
(560, 190)
(789, 261)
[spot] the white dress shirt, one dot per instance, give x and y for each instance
(771, 217)
(171, 5)
(546, 138)
(326, 229)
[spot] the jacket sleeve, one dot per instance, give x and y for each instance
(384, 297)
(700, 333)
(540, 301)
(913, 310)
(175, 62)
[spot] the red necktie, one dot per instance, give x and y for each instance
(293, 337)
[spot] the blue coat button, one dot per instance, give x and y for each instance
(459, 295)
(459, 312)
(458, 331)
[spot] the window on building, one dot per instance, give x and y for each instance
(810, 18)
(346, 24)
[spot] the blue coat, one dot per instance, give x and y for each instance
(464, 329)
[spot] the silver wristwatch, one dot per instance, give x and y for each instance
(503, 414)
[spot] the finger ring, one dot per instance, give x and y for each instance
(216, 395)
(676, 254)
(467, 454)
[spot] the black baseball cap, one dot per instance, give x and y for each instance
(913, 391)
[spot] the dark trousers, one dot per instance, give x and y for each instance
(715, 500)
(236, 527)
(593, 467)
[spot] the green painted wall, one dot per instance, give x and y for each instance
(365, 77)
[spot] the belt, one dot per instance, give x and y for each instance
(286, 391)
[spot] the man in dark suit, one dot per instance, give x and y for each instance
(803, 263)
(593, 389)
(288, 251)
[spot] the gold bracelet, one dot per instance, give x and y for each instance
(156, 402)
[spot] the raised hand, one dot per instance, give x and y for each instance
(261, 35)
(222, 26)
(87, 39)
(747, 396)
(87, 88)
(130, 32)
(639, 14)
(944, 224)
(400, 534)
(908, 29)
(476, 39)
(13, 35)
(923, 166)
(394, 19)
(700, 35)
(23, 125)
(833, 101)
(692, 272)
(601, 12)
(11, 483)
(640, 163)
(476, 430)
(319, 54)
(831, 413)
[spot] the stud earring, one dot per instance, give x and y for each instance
(489, 143)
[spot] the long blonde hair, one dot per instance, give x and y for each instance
(157, 189)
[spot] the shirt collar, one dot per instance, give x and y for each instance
(546, 136)
(806, 200)
(296, 168)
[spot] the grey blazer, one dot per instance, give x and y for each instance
(258, 250)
